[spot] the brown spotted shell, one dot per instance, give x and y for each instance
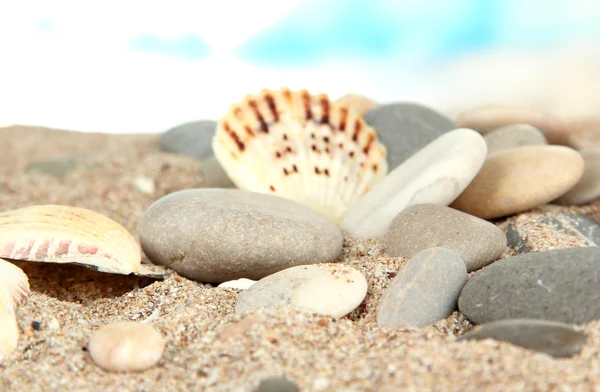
(301, 147)
(64, 234)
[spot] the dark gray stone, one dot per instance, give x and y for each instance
(515, 241)
(192, 139)
(277, 384)
(578, 225)
(423, 226)
(404, 128)
(216, 235)
(557, 285)
(425, 290)
(556, 339)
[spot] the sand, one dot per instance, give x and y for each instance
(208, 346)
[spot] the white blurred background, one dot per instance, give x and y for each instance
(146, 66)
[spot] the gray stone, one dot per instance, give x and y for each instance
(514, 135)
(588, 187)
(423, 226)
(216, 235)
(577, 225)
(328, 289)
(277, 384)
(60, 166)
(556, 339)
(514, 239)
(404, 128)
(214, 175)
(193, 139)
(557, 285)
(424, 291)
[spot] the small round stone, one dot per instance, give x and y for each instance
(487, 118)
(191, 139)
(519, 179)
(424, 226)
(126, 346)
(588, 187)
(515, 135)
(277, 384)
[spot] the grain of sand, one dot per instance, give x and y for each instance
(208, 346)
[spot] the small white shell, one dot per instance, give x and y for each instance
(14, 287)
(301, 147)
(64, 234)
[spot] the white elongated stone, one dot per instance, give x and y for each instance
(437, 174)
(241, 284)
(329, 289)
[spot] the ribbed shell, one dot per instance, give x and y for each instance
(302, 147)
(14, 287)
(64, 234)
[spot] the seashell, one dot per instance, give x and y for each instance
(301, 147)
(64, 234)
(14, 287)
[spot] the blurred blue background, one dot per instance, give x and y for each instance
(140, 66)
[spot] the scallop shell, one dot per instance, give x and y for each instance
(64, 234)
(14, 287)
(302, 147)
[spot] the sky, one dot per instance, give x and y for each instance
(146, 66)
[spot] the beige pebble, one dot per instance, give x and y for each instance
(515, 135)
(519, 179)
(357, 103)
(126, 346)
(584, 132)
(487, 118)
(588, 187)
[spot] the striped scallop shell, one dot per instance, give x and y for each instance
(14, 287)
(302, 147)
(64, 234)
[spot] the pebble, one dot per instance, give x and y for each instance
(192, 139)
(214, 175)
(515, 135)
(437, 174)
(217, 235)
(126, 346)
(520, 179)
(405, 128)
(277, 384)
(423, 226)
(60, 166)
(584, 132)
(556, 285)
(425, 291)
(487, 118)
(578, 225)
(240, 284)
(357, 103)
(553, 338)
(328, 289)
(515, 240)
(588, 187)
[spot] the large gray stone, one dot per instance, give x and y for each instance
(193, 139)
(423, 226)
(557, 285)
(404, 128)
(553, 338)
(425, 290)
(216, 235)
